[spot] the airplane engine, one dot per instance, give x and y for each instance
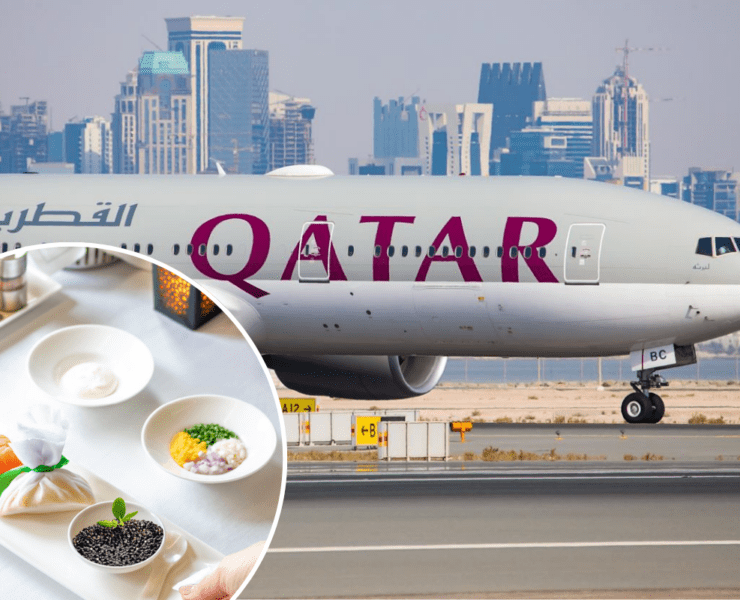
(359, 377)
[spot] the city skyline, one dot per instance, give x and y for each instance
(343, 55)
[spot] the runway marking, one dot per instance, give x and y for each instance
(506, 546)
(365, 479)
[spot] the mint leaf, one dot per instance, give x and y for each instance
(110, 524)
(130, 516)
(119, 508)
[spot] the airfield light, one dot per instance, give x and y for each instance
(182, 302)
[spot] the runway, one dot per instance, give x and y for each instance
(610, 528)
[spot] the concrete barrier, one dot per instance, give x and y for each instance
(404, 440)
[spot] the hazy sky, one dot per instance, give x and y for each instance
(342, 53)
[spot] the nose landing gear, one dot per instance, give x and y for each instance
(642, 406)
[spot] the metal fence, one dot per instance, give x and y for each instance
(528, 370)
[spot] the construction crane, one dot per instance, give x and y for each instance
(625, 50)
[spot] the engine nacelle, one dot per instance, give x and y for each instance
(359, 377)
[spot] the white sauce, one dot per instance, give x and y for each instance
(89, 380)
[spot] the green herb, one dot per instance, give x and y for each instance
(210, 433)
(119, 512)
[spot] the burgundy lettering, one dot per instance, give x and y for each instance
(546, 231)
(324, 248)
(381, 262)
(453, 230)
(257, 257)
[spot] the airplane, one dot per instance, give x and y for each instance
(360, 287)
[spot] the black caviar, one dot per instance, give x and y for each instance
(121, 546)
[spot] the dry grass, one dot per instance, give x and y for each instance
(702, 419)
(559, 419)
(630, 457)
(334, 455)
(503, 420)
(531, 397)
(491, 454)
(576, 419)
(651, 456)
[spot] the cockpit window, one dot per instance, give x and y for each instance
(724, 245)
(704, 246)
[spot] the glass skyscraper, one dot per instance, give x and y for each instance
(196, 38)
(396, 128)
(238, 112)
(512, 88)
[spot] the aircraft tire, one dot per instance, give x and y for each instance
(658, 409)
(636, 408)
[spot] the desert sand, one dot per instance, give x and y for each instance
(551, 402)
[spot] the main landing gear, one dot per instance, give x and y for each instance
(642, 406)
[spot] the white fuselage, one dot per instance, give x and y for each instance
(520, 266)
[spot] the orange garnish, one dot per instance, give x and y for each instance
(8, 459)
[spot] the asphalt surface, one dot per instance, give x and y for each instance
(613, 528)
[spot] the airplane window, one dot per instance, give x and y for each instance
(190, 249)
(5, 246)
(723, 245)
(418, 251)
(176, 249)
(137, 247)
(229, 249)
(391, 250)
(704, 246)
(445, 251)
(149, 249)
(542, 252)
(458, 251)
(17, 245)
(471, 251)
(499, 252)
(202, 249)
(404, 251)
(216, 250)
(737, 242)
(527, 252)
(486, 251)
(513, 251)
(350, 250)
(124, 246)
(432, 249)
(305, 250)
(377, 250)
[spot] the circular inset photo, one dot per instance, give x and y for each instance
(126, 387)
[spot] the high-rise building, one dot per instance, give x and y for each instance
(512, 88)
(621, 133)
(23, 136)
(666, 186)
(715, 189)
(196, 38)
(291, 138)
(555, 142)
(88, 145)
(454, 138)
(153, 118)
(55, 146)
(238, 118)
(165, 118)
(124, 124)
(396, 128)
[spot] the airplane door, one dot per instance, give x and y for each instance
(314, 253)
(583, 253)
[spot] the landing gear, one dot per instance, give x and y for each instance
(642, 406)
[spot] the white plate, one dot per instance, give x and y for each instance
(246, 421)
(39, 288)
(41, 540)
(121, 352)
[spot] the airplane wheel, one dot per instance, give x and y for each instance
(636, 408)
(658, 409)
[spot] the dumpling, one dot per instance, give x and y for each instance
(54, 491)
(43, 485)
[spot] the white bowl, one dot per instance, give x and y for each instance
(124, 354)
(102, 511)
(249, 423)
